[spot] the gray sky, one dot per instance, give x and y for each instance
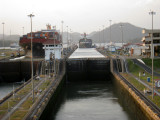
(80, 15)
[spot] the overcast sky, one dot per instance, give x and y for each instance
(80, 15)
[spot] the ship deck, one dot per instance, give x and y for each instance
(86, 53)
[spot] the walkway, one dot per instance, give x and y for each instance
(86, 53)
(21, 102)
(145, 67)
(139, 80)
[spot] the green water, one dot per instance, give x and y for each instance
(89, 101)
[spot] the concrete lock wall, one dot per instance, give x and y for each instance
(87, 69)
(49, 99)
(15, 71)
(53, 100)
(132, 102)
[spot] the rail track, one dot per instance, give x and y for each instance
(148, 102)
(145, 67)
(119, 66)
(16, 90)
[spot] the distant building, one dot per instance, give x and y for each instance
(133, 48)
(14, 46)
(52, 48)
(111, 47)
(147, 42)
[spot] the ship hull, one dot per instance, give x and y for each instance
(85, 45)
(38, 39)
(38, 50)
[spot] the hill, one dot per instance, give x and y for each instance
(131, 34)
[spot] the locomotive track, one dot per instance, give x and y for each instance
(119, 65)
(145, 67)
(11, 93)
(148, 102)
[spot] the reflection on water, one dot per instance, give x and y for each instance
(89, 101)
(6, 88)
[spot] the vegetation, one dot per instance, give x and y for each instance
(135, 69)
(8, 53)
(132, 80)
(13, 101)
(156, 64)
(155, 100)
(45, 84)
(22, 111)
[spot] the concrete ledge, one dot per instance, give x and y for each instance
(147, 110)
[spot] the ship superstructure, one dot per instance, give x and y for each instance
(38, 38)
(85, 42)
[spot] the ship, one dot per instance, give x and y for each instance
(85, 42)
(38, 40)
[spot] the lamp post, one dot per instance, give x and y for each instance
(70, 42)
(3, 35)
(122, 35)
(99, 38)
(122, 47)
(55, 57)
(62, 37)
(152, 53)
(67, 38)
(110, 30)
(31, 15)
(103, 34)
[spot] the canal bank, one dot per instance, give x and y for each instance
(21, 105)
(48, 101)
(49, 98)
(133, 99)
(127, 100)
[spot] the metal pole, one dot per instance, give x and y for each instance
(49, 68)
(54, 58)
(99, 38)
(110, 30)
(31, 15)
(152, 61)
(62, 38)
(3, 35)
(45, 65)
(67, 38)
(70, 39)
(122, 48)
(152, 53)
(122, 36)
(103, 35)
